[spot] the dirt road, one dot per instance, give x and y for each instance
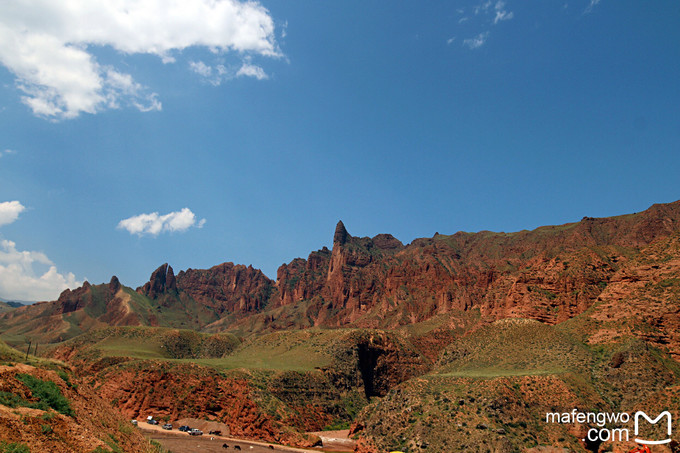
(183, 443)
(179, 442)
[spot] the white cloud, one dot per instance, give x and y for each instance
(450, 40)
(20, 281)
(9, 211)
(7, 152)
(153, 224)
(250, 70)
(476, 42)
(48, 46)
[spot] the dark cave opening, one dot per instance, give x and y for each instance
(368, 361)
(592, 445)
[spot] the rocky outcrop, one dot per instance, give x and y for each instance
(162, 281)
(227, 288)
(340, 236)
(114, 285)
(303, 279)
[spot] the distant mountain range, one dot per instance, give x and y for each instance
(15, 303)
(9, 305)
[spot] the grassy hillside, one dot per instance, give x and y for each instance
(515, 347)
(492, 387)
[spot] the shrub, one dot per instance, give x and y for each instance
(47, 393)
(6, 447)
(11, 400)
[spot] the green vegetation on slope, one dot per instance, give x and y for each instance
(515, 347)
(47, 393)
(13, 447)
(149, 343)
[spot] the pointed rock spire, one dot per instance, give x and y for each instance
(114, 285)
(341, 234)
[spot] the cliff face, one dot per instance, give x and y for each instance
(302, 279)
(227, 288)
(190, 391)
(550, 274)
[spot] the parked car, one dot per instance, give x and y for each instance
(167, 426)
(216, 432)
(184, 428)
(152, 422)
(134, 422)
(195, 432)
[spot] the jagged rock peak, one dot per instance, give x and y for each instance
(114, 285)
(162, 280)
(341, 234)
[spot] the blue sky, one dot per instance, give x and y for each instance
(244, 131)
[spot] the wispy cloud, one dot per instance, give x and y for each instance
(46, 45)
(476, 42)
(201, 68)
(484, 15)
(153, 224)
(591, 6)
(213, 74)
(7, 152)
(251, 70)
(501, 13)
(482, 7)
(217, 74)
(9, 212)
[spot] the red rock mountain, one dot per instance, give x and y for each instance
(550, 274)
